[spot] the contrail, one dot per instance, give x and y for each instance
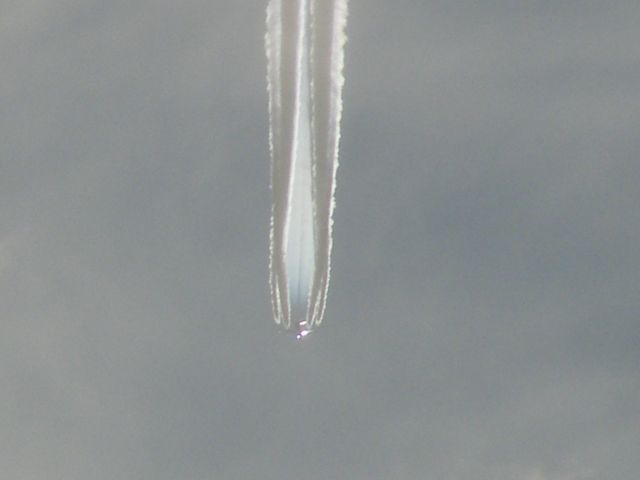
(305, 53)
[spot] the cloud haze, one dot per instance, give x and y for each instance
(483, 315)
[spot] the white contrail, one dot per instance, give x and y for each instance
(305, 52)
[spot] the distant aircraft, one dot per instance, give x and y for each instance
(305, 52)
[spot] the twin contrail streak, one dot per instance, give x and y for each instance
(305, 51)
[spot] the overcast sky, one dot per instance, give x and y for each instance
(483, 320)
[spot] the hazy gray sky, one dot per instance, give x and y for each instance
(483, 319)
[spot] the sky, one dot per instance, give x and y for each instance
(483, 318)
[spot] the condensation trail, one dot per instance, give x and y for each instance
(305, 52)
